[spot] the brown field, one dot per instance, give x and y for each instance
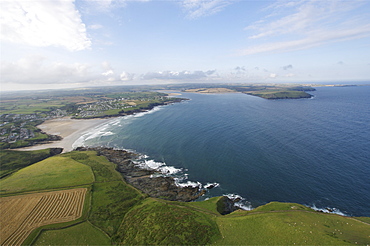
(20, 215)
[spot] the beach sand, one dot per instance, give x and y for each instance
(69, 129)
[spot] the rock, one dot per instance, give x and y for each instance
(142, 179)
(225, 205)
(55, 151)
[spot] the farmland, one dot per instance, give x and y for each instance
(23, 214)
(51, 173)
(263, 91)
(98, 207)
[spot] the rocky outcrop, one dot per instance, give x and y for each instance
(145, 179)
(55, 151)
(226, 205)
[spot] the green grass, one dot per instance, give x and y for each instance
(280, 94)
(80, 234)
(208, 206)
(103, 169)
(11, 161)
(112, 198)
(300, 227)
(281, 206)
(54, 172)
(110, 202)
(364, 219)
(159, 222)
(29, 106)
(117, 213)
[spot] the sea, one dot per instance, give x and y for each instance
(315, 152)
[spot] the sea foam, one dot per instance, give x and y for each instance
(328, 210)
(240, 202)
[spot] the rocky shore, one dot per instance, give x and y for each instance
(145, 179)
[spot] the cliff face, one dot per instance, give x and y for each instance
(142, 179)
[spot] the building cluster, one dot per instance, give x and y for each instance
(97, 108)
(17, 127)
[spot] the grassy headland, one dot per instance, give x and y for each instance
(267, 91)
(117, 213)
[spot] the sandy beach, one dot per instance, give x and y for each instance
(69, 129)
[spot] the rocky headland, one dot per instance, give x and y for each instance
(149, 181)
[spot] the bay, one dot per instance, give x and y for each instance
(311, 151)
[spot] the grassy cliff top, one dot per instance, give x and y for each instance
(124, 215)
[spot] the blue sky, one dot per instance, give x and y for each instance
(66, 43)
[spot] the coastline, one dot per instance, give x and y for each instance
(69, 129)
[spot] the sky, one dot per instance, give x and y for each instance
(48, 44)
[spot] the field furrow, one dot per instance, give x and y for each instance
(24, 213)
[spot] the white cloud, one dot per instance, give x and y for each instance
(289, 75)
(43, 23)
(273, 75)
(37, 70)
(199, 8)
(308, 23)
(313, 39)
(107, 5)
(125, 76)
(107, 73)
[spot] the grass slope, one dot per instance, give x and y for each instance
(280, 94)
(51, 173)
(112, 198)
(11, 161)
(120, 214)
(80, 234)
(160, 222)
(289, 224)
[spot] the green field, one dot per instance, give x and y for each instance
(159, 222)
(299, 227)
(279, 94)
(54, 172)
(11, 161)
(80, 234)
(116, 213)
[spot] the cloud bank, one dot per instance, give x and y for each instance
(37, 70)
(43, 23)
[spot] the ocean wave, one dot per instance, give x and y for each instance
(178, 174)
(141, 114)
(327, 210)
(157, 166)
(105, 129)
(211, 185)
(96, 132)
(188, 184)
(239, 201)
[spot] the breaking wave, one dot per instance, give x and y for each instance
(178, 174)
(328, 210)
(240, 202)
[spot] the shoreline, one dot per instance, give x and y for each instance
(69, 129)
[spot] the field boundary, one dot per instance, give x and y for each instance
(37, 210)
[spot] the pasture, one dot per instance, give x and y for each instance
(117, 213)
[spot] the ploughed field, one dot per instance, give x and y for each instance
(24, 213)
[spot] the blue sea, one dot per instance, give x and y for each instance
(314, 151)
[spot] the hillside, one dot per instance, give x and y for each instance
(114, 212)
